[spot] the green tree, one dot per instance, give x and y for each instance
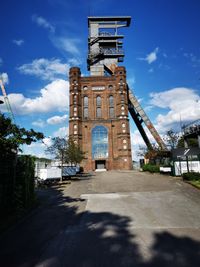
(16, 172)
(58, 149)
(192, 142)
(65, 150)
(175, 140)
(12, 136)
(172, 139)
(74, 153)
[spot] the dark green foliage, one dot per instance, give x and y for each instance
(24, 187)
(11, 136)
(191, 176)
(74, 153)
(7, 182)
(16, 172)
(151, 168)
(192, 142)
(16, 184)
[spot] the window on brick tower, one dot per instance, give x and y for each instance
(98, 107)
(85, 107)
(99, 142)
(111, 107)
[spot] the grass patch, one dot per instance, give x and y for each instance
(193, 178)
(195, 183)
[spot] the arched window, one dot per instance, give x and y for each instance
(85, 101)
(111, 101)
(111, 107)
(99, 142)
(85, 107)
(98, 101)
(98, 107)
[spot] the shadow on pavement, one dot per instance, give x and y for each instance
(57, 234)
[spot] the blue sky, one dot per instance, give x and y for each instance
(41, 40)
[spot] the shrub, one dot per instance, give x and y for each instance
(24, 185)
(191, 176)
(151, 168)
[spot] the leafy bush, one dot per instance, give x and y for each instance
(151, 168)
(16, 183)
(191, 176)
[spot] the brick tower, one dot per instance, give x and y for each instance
(98, 119)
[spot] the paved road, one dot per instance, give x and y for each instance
(127, 219)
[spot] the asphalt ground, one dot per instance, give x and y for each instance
(108, 219)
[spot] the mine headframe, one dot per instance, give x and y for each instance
(104, 53)
(105, 43)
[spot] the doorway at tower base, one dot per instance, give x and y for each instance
(100, 166)
(106, 164)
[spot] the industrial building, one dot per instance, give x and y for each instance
(100, 103)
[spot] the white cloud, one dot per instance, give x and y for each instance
(61, 132)
(18, 42)
(46, 69)
(74, 61)
(42, 22)
(182, 103)
(47, 141)
(148, 108)
(69, 45)
(57, 119)
(39, 123)
(53, 97)
(151, 57)
(1, 61)
(4, 77)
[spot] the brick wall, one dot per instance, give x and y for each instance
(80, 127)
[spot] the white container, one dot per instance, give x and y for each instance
(50, 173)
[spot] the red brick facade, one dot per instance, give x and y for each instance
(111, 112)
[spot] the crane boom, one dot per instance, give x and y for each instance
(8, 106)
